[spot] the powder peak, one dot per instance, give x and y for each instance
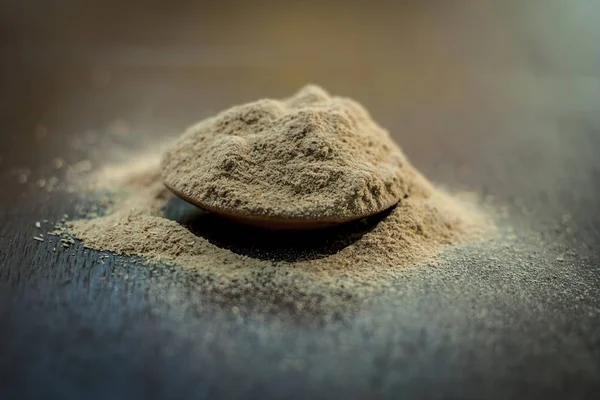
(310, 156)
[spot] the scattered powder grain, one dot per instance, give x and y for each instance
(413, 233)
(240, 265)
(312, 156)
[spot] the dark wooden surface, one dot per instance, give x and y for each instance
(498, 97)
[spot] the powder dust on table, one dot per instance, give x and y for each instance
(371, 253)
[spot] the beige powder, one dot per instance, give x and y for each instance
(347, 264)
(312, 156)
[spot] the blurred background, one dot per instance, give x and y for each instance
(475, 91)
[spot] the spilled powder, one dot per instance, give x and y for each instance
(321, 272)
(355, 262)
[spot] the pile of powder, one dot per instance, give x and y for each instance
(311, 156)
(355, 261)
